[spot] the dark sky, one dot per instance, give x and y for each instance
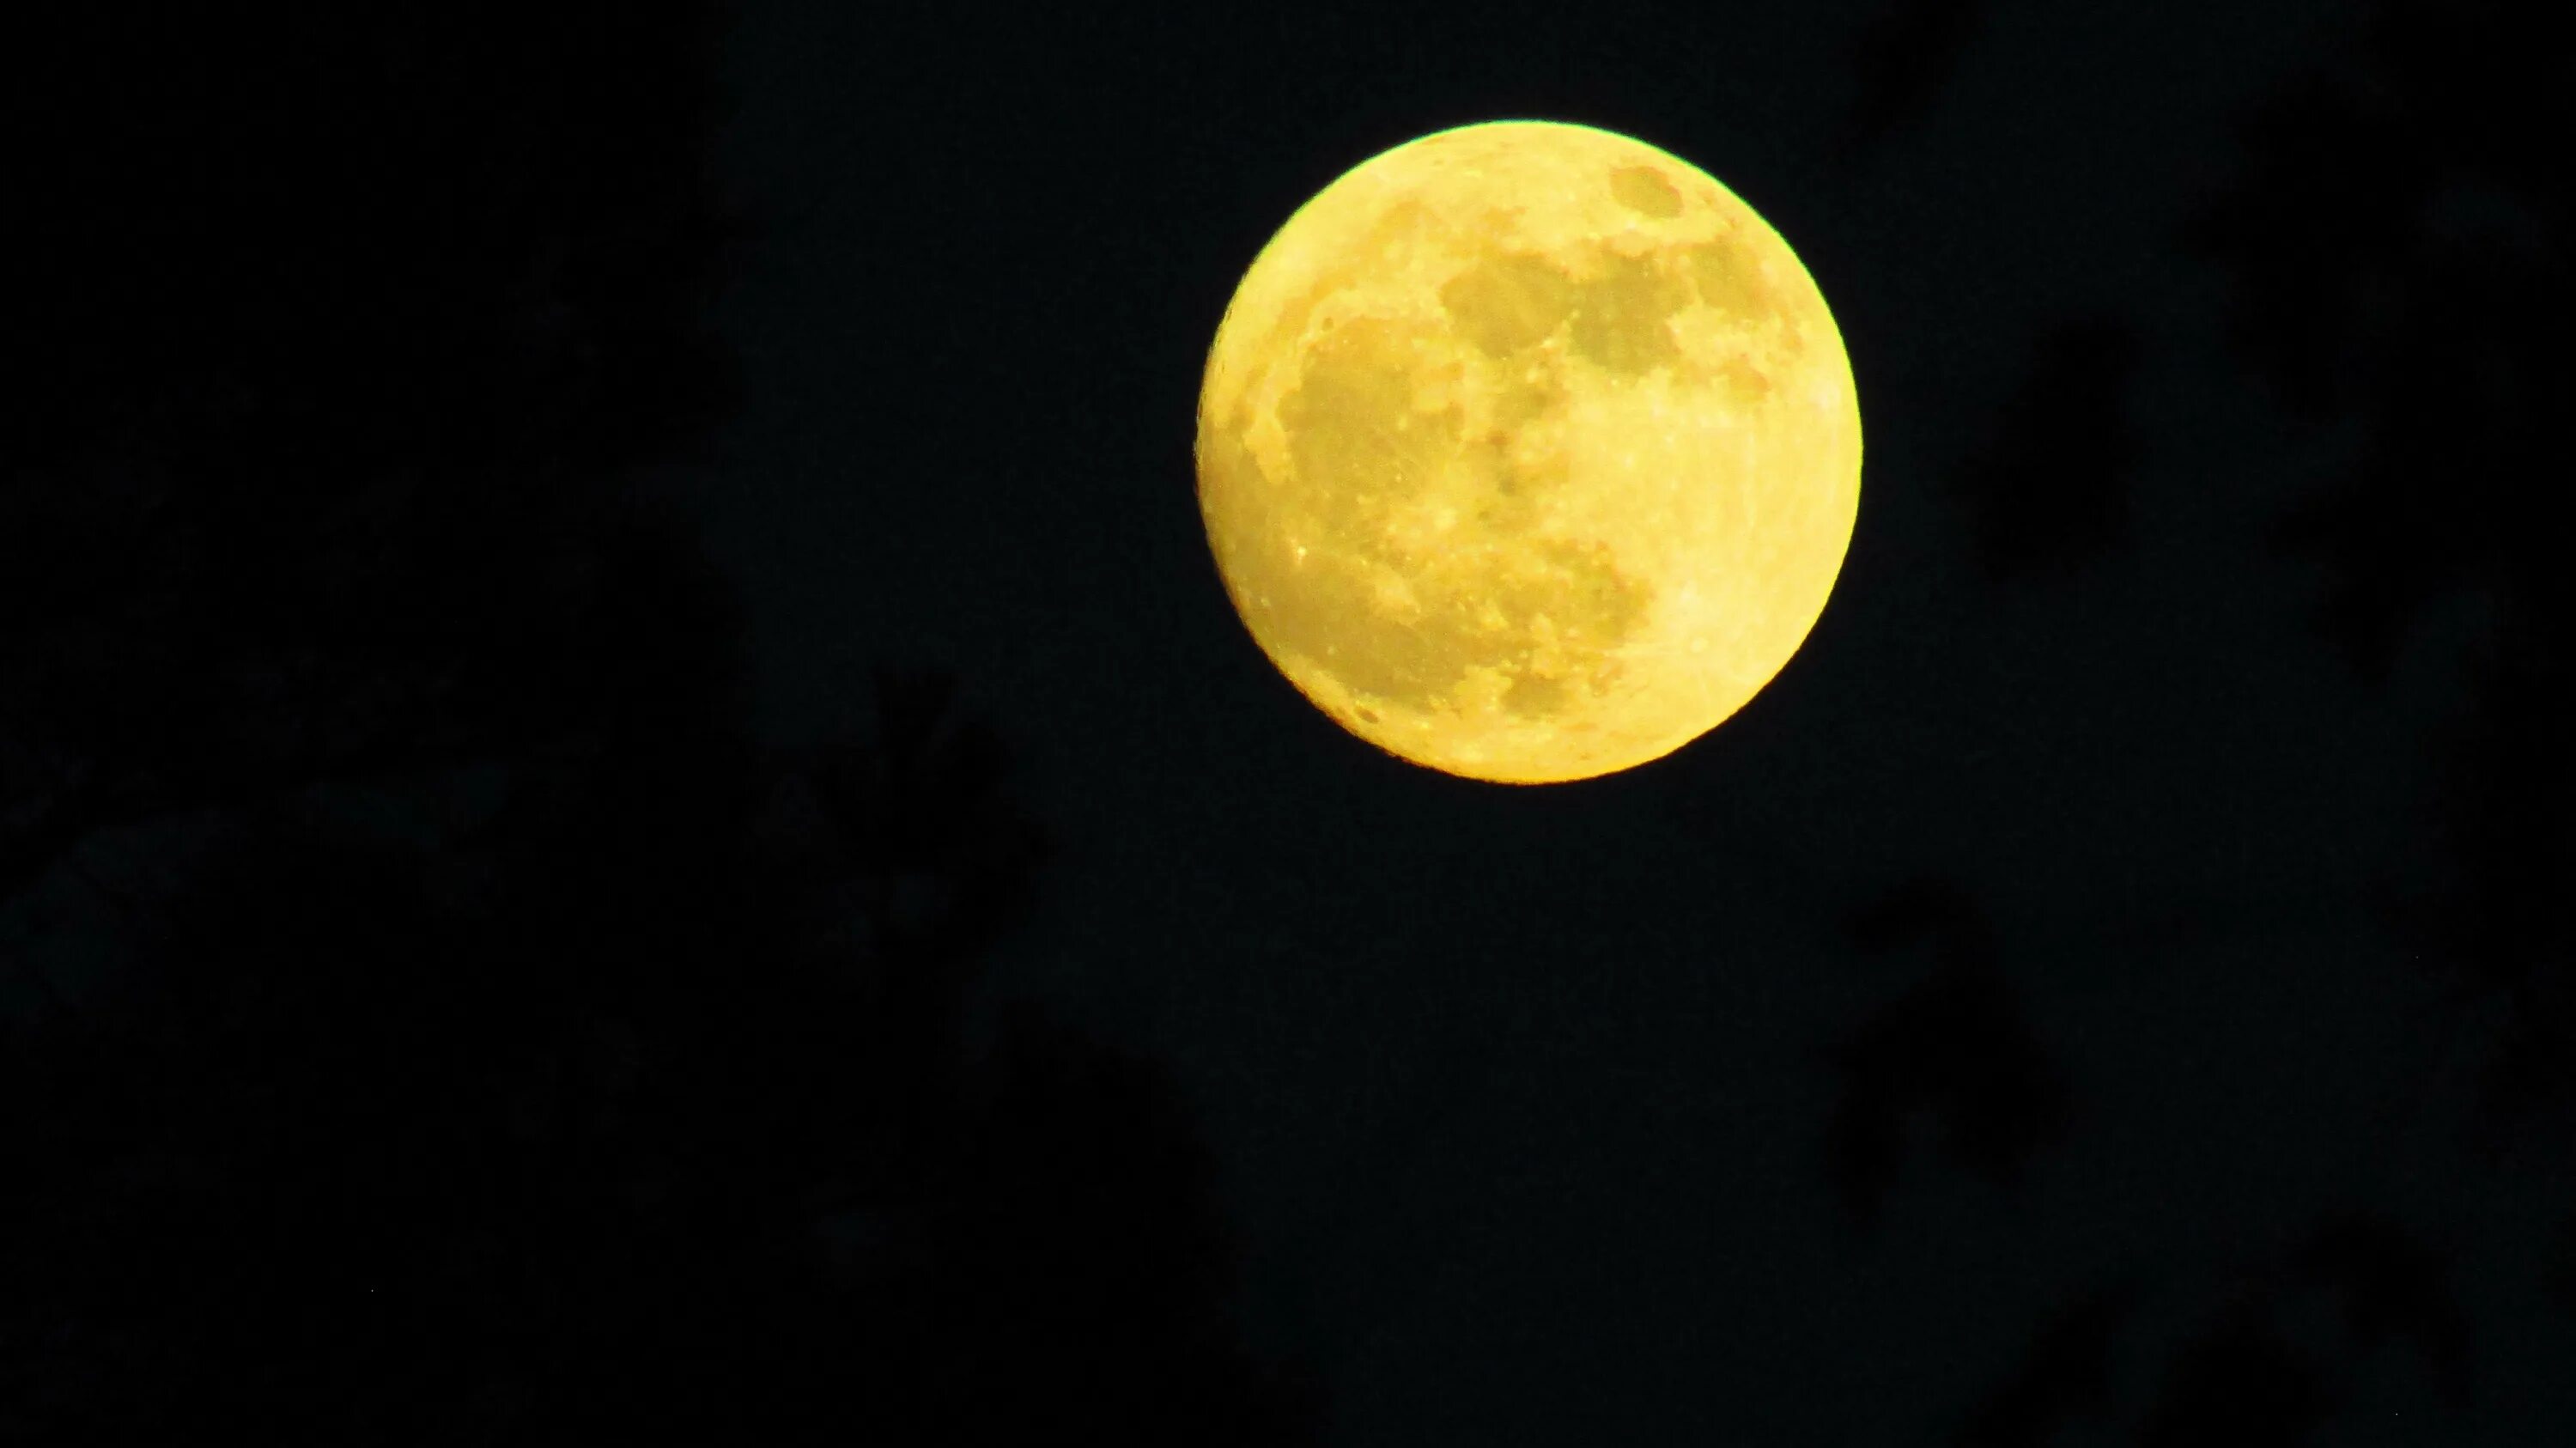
(1521, 1094)
(2111, 988)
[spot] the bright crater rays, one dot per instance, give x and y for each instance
(1528, 452)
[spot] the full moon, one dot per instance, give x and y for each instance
(1527, 452)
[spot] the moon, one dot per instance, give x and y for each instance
(1528, 452)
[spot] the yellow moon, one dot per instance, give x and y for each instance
(1528, 452)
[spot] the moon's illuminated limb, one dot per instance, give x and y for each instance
(1528, 452)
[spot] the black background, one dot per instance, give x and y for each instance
(629, 802)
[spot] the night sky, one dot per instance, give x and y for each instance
(2111, 988)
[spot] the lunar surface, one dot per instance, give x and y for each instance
(1527, 452)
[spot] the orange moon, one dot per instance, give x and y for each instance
(1528, 452)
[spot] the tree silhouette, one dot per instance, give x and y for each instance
(2049, 492)
(351, 333)
(508, 1049)
(2386, 1284)
(2400, 242)
(1953, 1047)
(1901, 61)
(2236, 1377)
(2400, 246)
(2065, 1375)
(2238, 1384)
(2561, 1279)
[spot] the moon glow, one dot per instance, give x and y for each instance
(1528, 452)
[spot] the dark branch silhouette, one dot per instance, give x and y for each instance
(2399, 249)
(2560, 1280)
(2064, 1376)
(505, 1047)
(2399, 240)
(1901, 62)
(1953, 1048)
(2238, 1384)
(2387, 1284)
(2050, 492)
